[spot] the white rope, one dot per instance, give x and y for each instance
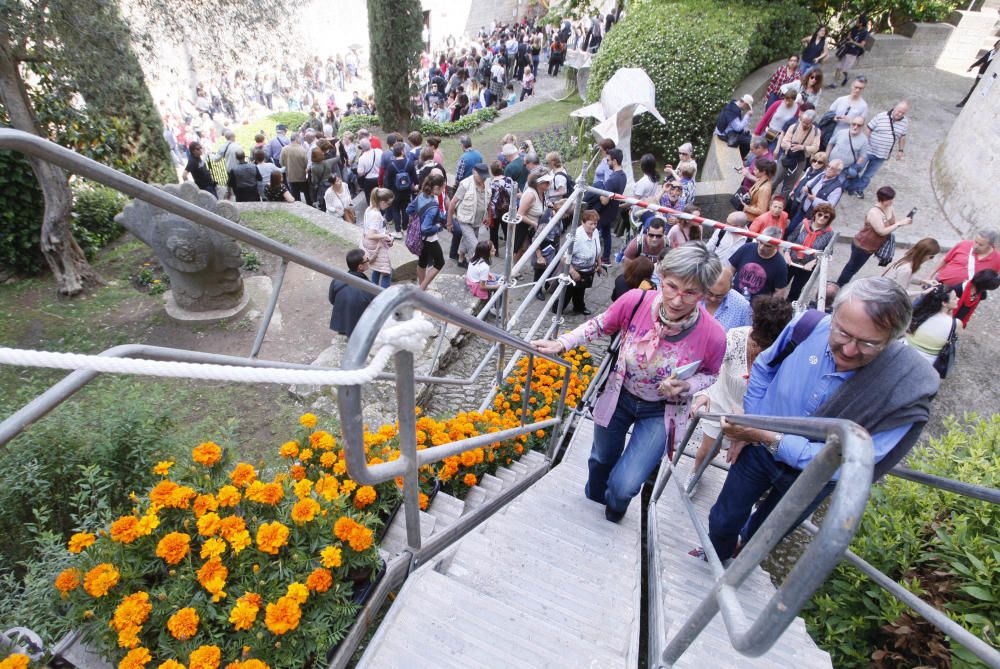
(409, 335)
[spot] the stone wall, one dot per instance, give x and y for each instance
(966, 165)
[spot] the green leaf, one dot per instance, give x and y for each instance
(979, 592)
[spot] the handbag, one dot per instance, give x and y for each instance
(615, 348)
(887, 250)
(739, 199)
(945, 359)
(736, 137)
(771, 135)
(350, 215)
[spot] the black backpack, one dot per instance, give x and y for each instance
(570, 184)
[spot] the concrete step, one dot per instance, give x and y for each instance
(446, 509)
(506, 475)
(395, 538)
(519, 468)
(474, 498)
(491, 484)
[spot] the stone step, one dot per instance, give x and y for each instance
(394, 540)
(491, 484)
(474, 498)
(506, 475)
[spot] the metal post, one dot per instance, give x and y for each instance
(279, 279)
(526, 390)
(406, 405)
(569, 257)
(706, 462)
(511, 218)
(550, 451)
(824, 261)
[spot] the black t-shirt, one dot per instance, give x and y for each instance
(199, 172)
(616, 184)
(755, 275)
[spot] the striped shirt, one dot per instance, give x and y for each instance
(882, 139)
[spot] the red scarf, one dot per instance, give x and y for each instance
(811, 236)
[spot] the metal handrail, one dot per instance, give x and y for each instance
(849, 449)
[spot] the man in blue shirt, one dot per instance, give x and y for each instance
(468, 160)
(608, 211)
(851, 366)
(725, 304)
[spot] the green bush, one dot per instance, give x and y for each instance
(21, 207)
(942, 546)
(426, 127)
(245, 133)
(884, 14)
(696, 52)
(94, 211)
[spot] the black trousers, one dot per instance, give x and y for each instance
(298, 188)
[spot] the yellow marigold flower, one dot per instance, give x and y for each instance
(207, 453)
(330, 557)
(170, 495)
(340, 468)
(212, 577)
(15, 661)
(203, 504)
(271, 537)
(239, 541)
(265, 493)
(229, 496)
(205, 657)
(303, 488)
(306, 454)
(283, 615)
(209, 524)
(100, 579)
(328, 487)
(170, 664)
(69, 580)
(328, 459)
(469, 479)
(80, 541)
(244, 614)
(348, 486)
(298, 592)
(148, 523)
(305, 510)
(174, 547)
(254, 664)
(424, 501)
(163, 467)
(308, 420)
(289, 449)
(364, 496)
(319, 580)
(243, 475)
(137, 658)
(231, 525)
(213, 548)
(184, 624)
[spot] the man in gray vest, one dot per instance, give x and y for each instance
(469, 207)
(849, 365)
(822, 188)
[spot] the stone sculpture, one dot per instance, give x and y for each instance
(628, 93)
(203, 265)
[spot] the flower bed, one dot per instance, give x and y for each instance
(219, 565)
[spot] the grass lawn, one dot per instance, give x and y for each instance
(288, 228)
(487, 138)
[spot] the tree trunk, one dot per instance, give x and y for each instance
(64, 256)
(394, 28)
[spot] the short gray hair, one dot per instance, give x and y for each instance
(365, 144)
(884, 300)
(808, 114)
(757, 142)
(692, 261)
(229, 134)
(990, 235)
(772, 231)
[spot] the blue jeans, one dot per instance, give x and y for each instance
(861, 183)
(615, 477)
(604, 230)
(857, 260)
(381, 278)
(754, 473)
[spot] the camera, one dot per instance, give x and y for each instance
(912, 213)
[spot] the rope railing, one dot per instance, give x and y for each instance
(743, 232)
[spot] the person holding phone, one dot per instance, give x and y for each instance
(880, 222)
(648, 388)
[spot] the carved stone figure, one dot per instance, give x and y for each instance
(203, 265)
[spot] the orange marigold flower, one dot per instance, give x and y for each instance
(271, 537)
(330, 557)
(15, 661)
(100, 579)
(184, 624)
(348, 486)
(207, 453)
(244, 614)
(163, 467)
(469, 480)
(308, 420)
(205, 657)
(243, 475)
(283, 615)
(80, 541)
(170, 664)
(328, 459)
(125, 530)
(357, 536)
(364, 496)
(69, 580)
(170, 495)
(306, 454)
(174, 547)
(212, 577)
(305, 510)
(213, 548)
(265, 493)
(254, 664)
(289, 449)
(229, 496)
(137, 658)
(230, 526)
(203, 504)
(209, 524)
(424, 501)
(321, 440)
(129, 617)
(319, 580)
(298, 472)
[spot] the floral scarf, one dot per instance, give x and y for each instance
(662, 327)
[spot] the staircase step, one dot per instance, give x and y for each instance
(491, 484)
(446, 509)
(519, 468)
(394, 540)
(532, 459)
(506, 475)
(474, 498)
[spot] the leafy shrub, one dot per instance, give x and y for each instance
(94, 211)
(21, 207)
(885, 12)
(427, 127)
(942, 546)
(245, 133)
(696, 52)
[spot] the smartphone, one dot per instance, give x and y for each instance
(912, 213)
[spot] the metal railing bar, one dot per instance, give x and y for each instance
(272, 302)
(972, 490)
(985, 652)
(540, 235)
(70, 161)
(396, 571)
(714, 451)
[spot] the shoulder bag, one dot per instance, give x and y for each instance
(946, 356)
(615, 349)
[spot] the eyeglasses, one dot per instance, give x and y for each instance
(817, 162)
(821, 215)
(672, 290)
(652, 236)
(865, 347)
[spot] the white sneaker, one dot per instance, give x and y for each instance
(397, 235)
(688, 482)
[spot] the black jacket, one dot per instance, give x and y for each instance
(348, 305)
(729, 112)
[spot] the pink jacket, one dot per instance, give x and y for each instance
(706, 341)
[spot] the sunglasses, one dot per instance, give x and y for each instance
(652, 236)
(817, 162)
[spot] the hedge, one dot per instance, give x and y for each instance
(696, 52)
(427, 128)
(942, 546)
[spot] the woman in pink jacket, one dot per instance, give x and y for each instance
(671, 349)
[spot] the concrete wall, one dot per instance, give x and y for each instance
(966, 167)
